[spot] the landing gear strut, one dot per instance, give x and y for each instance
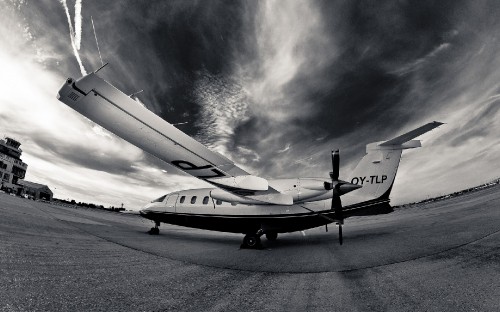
(155, 230)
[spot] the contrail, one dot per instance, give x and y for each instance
(72, 35)
(78, 23)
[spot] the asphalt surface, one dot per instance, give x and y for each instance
(442, 256)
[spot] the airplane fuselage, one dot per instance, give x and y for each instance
(198, 209)
(213, 209)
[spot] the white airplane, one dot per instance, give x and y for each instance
(240, 202)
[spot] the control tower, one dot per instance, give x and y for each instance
(12, 168)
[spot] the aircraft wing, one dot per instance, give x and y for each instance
(107, 106)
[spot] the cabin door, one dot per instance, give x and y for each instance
(170, 204)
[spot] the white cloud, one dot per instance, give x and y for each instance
(224, 106)
(289, 36)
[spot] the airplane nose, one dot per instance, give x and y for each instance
(144, 212)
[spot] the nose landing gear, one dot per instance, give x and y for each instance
(155, 230)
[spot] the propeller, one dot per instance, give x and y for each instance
(338, 188)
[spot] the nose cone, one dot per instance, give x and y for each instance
(145, 211)
(348, 187)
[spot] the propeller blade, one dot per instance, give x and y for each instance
(335, 165)
(337, 207)
(339, 215)
(336, 203)
(340, 233)
(338, 188)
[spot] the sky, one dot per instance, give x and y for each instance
(272, 85)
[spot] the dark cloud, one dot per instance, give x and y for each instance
(374, 41)
(392, 63)
(163, 47)
(358, 93)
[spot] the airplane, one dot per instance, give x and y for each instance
(240, 202)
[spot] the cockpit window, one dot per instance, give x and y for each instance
(183, 198)
(160, 199)
(193, 199)
(205, 200)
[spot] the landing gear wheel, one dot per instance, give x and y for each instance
(251, 241)
(271, 236)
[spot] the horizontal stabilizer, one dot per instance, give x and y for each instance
(412, 134)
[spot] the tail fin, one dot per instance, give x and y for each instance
(377, 169)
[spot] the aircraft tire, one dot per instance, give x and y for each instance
(271, 236)
(251, 241)
(154, 231)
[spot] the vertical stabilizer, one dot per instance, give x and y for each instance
(377, 170)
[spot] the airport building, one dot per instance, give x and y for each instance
(12, 168)
(13, 171)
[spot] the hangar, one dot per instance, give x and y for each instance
(35, 190)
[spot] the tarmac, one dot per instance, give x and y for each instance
(440, 256)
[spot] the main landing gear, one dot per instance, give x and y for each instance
(155, 230)
(252, 240)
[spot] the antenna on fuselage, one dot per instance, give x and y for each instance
(97, 43)
(135, 93)
(180, 123)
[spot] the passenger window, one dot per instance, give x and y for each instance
(205, 200)
(183, 198)
(193, 199)
(218, 202)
